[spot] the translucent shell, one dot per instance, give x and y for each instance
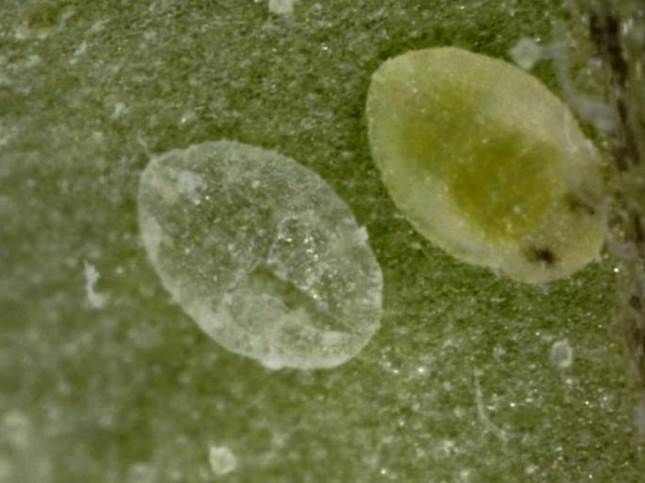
(261, 253)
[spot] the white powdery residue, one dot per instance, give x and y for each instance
(465, 475)
(79, 52)
(222, 460)
(489, 426)
(92, 276)
(562, 354)
(446, 447)
(531, 469)
(526, 53)
(282, 7)
(98, 26)
(119, 110)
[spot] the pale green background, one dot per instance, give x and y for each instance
(135, 392)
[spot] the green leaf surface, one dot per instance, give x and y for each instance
(468, 378)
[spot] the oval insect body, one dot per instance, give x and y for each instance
(486, 163)
(261, 253)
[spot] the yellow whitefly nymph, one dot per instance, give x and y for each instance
(488, 164)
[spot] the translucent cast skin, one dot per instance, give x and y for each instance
(486, 163)
(261, 253)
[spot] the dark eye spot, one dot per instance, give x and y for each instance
(576, 204)
(542, 255)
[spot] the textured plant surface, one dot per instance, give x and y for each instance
(612, 37)
(103, 378)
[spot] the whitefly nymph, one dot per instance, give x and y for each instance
(487, 163)
(261, 253)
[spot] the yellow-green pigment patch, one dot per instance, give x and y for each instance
(485, 162)
(492, 178)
